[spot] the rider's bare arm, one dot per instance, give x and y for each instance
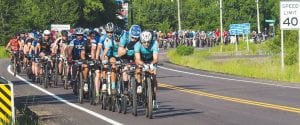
(121, 51)
(155, 58)
(138, 59)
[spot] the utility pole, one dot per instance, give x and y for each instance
(221, 23)
(258, 23)
(178, 11)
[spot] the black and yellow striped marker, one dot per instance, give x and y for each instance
(6, 104)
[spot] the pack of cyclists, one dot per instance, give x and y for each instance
(108, 66)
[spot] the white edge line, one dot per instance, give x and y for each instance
(210, 76)
(67, 102)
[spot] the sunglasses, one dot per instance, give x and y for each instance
(144, 42)
(110, 32)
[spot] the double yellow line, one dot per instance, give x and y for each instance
(237, 100)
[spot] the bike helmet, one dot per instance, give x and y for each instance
(110, 27)
(97, 30)
(64, 33)
(79, 31)
(146, 36)
(135, 31)
(46, 32)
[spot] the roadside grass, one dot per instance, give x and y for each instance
(3, 53)
(267, 67)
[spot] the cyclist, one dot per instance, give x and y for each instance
(110, 54)
(76, 46)
(88, 54)
(126, 49)
(14, 44)
(60, 47)
(146, 53)
(100, 38)
(43, 47)
(34, 55)
(28, 48)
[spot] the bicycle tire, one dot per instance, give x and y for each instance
(80, 85)
(46, 76)
(134, 96)
(15, 66)
(149, 98)
(55, 73)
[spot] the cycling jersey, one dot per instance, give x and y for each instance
(78, 46)
(128, 45)
(45, 46)
(14, 43)
(112, 47)
(146, 53)
(88, 48)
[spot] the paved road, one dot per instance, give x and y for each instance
(186, 96)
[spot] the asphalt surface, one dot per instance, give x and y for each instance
(189, 99)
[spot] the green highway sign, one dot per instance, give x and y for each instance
(270, 21)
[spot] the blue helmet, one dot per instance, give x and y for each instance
(135, 31)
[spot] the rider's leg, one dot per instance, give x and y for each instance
(60, 66)
(113, 73)
(125, 79)
(138, 74)
(97, 81)
(85, 71)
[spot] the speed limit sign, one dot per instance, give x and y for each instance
(290, 15)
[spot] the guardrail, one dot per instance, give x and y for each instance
(7, 107)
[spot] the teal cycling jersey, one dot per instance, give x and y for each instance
(112, 46)
(127, 44)
(146, 53)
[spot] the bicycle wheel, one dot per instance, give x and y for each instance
(149, 107)
(65, 76)
(119, 93)
(46, 80)
(15, 66)
(80, 85)
(92, 91)
(134, 96)
(103, 100)
(55, 79)
(124, 104)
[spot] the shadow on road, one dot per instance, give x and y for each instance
(166, 111)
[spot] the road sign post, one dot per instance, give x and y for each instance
(289, 20)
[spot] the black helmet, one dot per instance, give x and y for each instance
(64, 33)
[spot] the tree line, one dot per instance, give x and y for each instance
(201, 14)
(28, 15)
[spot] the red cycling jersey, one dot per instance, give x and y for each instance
(14, 43)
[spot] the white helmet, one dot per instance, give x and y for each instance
(146, 36)
(46, 32)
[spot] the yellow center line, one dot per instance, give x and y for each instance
(232, 99)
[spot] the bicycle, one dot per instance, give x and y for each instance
(146, 98)
(56, 60)
(108, 99)
(16, 62)
(46, 66)
(77, 79)
(65, 76)
(28, 67)
(131, 97)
